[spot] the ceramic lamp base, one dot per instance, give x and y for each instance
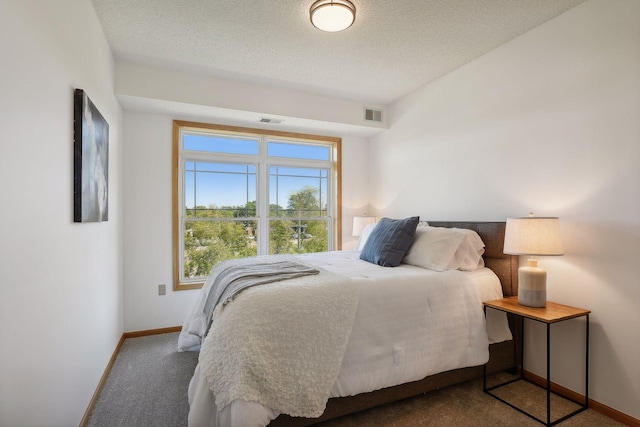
(532, 286)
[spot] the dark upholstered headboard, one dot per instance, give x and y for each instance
(492, 234)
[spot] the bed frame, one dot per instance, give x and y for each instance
(502, 356)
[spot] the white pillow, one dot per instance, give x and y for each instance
(433, 247)
(468, 256)
(365, 235)
(440, 248)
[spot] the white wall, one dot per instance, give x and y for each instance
(546, 123)
(60, 282)
(147, 216)
(145, 82)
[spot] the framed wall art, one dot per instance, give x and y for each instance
(90, 161)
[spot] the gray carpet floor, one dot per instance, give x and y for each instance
(148, 384)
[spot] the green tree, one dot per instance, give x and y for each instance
(215, 236)
(280, 237)
(209, 242)
(248, 210)
(310, 235)
(304, 202)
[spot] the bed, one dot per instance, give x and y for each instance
(388, 363)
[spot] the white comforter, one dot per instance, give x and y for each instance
(281, 344)
(410, 323)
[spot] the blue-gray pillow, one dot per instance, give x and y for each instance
(389, 241)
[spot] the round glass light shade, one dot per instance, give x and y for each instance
(332, 15)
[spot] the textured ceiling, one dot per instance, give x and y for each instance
(394, 46)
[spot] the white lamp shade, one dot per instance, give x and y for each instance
(533, 236)
(332, 15)
(360, 222)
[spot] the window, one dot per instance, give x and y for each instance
(240, 192)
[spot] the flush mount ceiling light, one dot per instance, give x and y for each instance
(332, 15)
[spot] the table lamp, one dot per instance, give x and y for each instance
(532, 236)
(360, 222)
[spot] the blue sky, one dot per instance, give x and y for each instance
(226, 184)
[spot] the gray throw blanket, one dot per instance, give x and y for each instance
(234, 279)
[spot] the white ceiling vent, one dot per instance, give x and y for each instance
(371, 115)
(268, 120)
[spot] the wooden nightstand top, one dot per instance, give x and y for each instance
(550, 314)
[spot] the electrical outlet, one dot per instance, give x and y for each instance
(162, 289)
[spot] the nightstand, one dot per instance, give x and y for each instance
(552, 313)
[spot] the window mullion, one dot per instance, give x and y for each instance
(263, 199)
